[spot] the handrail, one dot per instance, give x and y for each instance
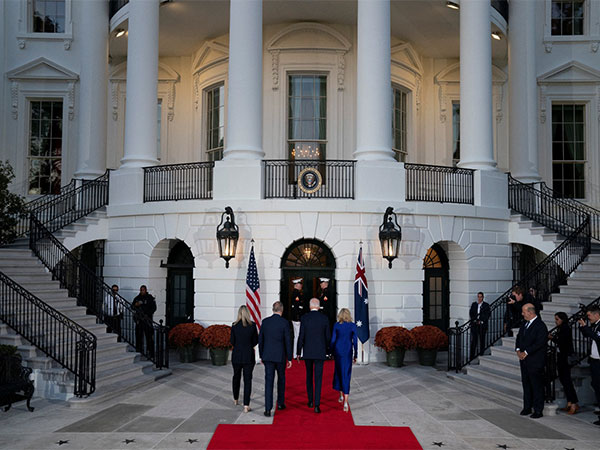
(76, 200)
(185, 181)
(62, 339)
(91, 292)
(546, 277)
(443, 184)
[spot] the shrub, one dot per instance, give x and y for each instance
(391, 338)
(217, 336)
(185, 334)
(429, 337)
(11, 205)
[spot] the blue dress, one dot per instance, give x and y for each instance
(343, 340)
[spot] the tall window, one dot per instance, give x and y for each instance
(568, 150)
(48, 16)
(399, 114)
(215, 122)
(45, 146)
(567, 17)
(307, 117)
(455, 133)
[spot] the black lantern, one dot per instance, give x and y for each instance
(227, 235)
(390, 236)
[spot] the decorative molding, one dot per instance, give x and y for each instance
(170, 98)
(570, 73)
(196, 90)
(594, 46)
(414, 61)
(14, 92)
(498, 95)
(71, 100)
(548, 47)
(341, 72)
(443, 102)
(114, 97)
(22, 43)
(42, 69)
(275, 68)
(543, 103)
(67, 43)
(418, 93)
(210, 54)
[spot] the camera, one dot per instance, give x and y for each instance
(512, 297)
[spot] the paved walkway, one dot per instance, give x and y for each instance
(183, 410)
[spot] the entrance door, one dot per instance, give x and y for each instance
(180, 285)
(436, 291)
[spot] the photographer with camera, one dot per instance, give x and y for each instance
(593, 332)
(517, 299)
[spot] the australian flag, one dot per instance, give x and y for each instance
(361, 300)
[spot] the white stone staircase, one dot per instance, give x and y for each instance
(118, 368)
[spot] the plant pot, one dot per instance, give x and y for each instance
(218, 356)
(188, 354)
(395, 358)
(427, 356)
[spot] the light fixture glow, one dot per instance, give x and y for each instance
(120, 32)
(496, 35)
(452, 5)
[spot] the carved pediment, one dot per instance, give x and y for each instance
(42, 69)
(571, 72)
(309, 36)
(404, 55)
(451, 74)
(165, 73)
(210, 54)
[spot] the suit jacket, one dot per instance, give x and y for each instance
(534, 341)
(564, 340)
(274, 340)
(243, 339)
(592, 331)
(315, 336)
(484, 314)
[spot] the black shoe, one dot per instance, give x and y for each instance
(537, 415)
(310, 404)
(597, 422)
(267, 413)
(525, 412)
(280, 406)
(318, 410)
(597, 412)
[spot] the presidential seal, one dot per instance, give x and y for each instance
(309, 180)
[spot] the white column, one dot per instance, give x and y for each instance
(522, 94)
(374, 83)
(244, 97)
(476, 140)
(142, 84)
(93, 39)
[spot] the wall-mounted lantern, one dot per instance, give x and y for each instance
(227, 235)
(390, 235)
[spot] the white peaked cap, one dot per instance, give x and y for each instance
(297, 281)
(324, 280)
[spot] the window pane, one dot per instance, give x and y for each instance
(308, 86)
(568, 134)
(215, 121)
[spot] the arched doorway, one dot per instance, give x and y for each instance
(310, 260)
(436, 292)
(180, 285)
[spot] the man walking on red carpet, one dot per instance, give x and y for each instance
(314, 340)
(275, 348)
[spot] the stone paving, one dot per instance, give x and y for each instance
(183, 410)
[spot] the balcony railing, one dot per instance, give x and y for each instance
(337, 179)
(426, 183)
(187, 181)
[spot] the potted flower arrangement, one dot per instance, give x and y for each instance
(186, 337)
(429, 340)
(218, 340)
(395, 341)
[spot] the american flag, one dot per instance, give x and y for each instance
(253, 290)
(361, 300)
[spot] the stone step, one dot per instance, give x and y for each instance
(503, 352)
(507, 380)
(45, 293)
(582, 291)
(591, 282)
(510, 366)
(30, 269)
(488, 389)
(15, 253)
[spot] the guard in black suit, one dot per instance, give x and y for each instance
(144, 307)
(479, 314)
(531, 350)
(275, 348)
(593, 332)
(314, 340)
(244, 338)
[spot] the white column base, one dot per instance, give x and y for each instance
(126, 186)
(236, 179)
(376, 180)
(490, 189)
(88, 175)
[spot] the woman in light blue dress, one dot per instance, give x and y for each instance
(344, 345)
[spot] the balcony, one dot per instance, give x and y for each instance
(187, 181)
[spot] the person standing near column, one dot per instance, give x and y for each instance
(297, 308)
(479, 314)
(593, 332)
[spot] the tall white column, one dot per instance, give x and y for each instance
(93, 38)
(374, 83)
(142, 84)
(476, 139)
(522, 93)
(244, 98)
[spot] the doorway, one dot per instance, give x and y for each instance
(436, 288)
(180, 285)
(309, 259)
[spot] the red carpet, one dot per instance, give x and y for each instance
(298, 426)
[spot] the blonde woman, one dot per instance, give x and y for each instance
(244, 338)
(344, 345)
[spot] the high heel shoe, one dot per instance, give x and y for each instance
(247, 409)
(345, 406)
(236, 402)
(567, 407)
(341, 399)
(574, 408)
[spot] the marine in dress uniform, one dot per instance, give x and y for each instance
(297, 309)
(326, 300)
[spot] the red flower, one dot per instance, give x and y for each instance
(429, 337)
(185, 334)
(216, 336)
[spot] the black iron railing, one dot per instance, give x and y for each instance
(337, 179)
(581, 348)
(546, 277)
(66, 342)
(427, 183)
(76, 200)
(187, 181)
(91, 292)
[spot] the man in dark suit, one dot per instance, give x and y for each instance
(593, 332)
(275, 348)
(479, 314)
(531, 350)
(314, 340)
